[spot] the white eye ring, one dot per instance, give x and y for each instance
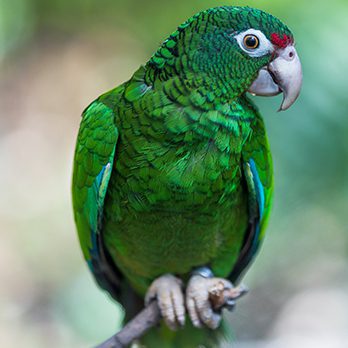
(264, 47)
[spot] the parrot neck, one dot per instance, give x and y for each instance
(220, 87)
(190, 109)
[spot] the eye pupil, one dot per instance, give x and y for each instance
(251, 42)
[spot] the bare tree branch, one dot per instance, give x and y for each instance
(142, 322)
(150, 316)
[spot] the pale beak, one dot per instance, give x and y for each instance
(282, 75)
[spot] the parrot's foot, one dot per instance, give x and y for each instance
(198, 300)
(167, 289)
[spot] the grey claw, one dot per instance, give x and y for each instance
(198, 303)
(230, 305)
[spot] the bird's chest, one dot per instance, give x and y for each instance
(175, 180)
(173, 212)
(171, 208)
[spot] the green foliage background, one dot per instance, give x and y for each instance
(55, 57)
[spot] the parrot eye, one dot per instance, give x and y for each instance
(254, 43)
(251, 42)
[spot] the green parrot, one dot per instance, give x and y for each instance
(172, 182)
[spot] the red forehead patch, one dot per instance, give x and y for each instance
(281, 42)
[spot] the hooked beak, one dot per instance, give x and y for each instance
(282, 75)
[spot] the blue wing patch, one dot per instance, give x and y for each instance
(97, 194)
(256, 194)
(99, 262)
(258, 187)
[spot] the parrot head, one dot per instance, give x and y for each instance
(235, 50)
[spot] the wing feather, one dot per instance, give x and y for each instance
(93, 163)
(258, 175)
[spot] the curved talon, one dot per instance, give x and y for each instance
(167, 289)
(230, 304)
(198, 304)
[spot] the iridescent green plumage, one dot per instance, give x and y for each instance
(173, 168)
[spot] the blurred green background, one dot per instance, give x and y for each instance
(55, 57)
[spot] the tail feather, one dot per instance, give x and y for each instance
(187, 337)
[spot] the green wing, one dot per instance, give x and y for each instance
(93, 163)
(258, 174)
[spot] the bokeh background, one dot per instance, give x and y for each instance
(55, 57)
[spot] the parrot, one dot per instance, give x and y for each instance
(173, 177)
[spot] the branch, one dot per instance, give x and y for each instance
(150, 316)
(142, 322)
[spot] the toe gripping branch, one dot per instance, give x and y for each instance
(219, 296)
(150, 316)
